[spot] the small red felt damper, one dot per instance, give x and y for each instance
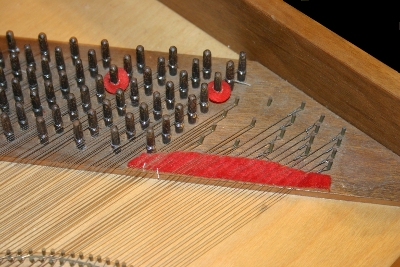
(215, 95)
(116, 78)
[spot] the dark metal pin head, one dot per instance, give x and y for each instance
(230, 73)
(120, 100)
(148, 81)
(80, 72)
(78, 134)
(74, 48)
(161, 71)
(196, 73)
(36, 104)
(173, 61)
(150, 140)
(217, 81)
(85, 98)
(114, 74)
(100, 90)
(21, 115)
(17, 91)
(183, 84)
(140, 59)
(93, 123)
(3, 80)
(57, 118)
(107, 113)
(241, 72)
(157, 108)
(115, 140)
(204, 104)
(46, 71)
(42, 130)
(50, 94)
(32, 80)
(59, 58)
(179, 115)
(144, 115)
(2, 63)
(7, 126)
(170, 95)
(92, 58)
(64, 83)
(166, 129)
(43, 45)
(12, 44)
(130, 125)
(128, 64)
(192, 109)
(30, 60)
(134, 92)
(105, 53)
(15, 66)
(207, 64)
(72, 107)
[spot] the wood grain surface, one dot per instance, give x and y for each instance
(348, 81)
(297, 231)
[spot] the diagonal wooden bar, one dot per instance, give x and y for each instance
(337, 74)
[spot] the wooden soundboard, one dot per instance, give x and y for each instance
(279, 226)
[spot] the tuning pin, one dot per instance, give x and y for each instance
(173, 61)
(42, 130)
(2, 63)
(59, 58)
(192, 109)
(120, 100)
(134, 92)
(3, 81)
(166, 129)
(78, 134)
(100, 90)
(204, 98)
(15, 66)
(148, 81)
(36, 104)
(116, 263)
(241, 71)
(92, 58)
(179, 124)
(31, 74)
(17, 91)
(114, 74)
(81, 256)
(107, 113)
(85, 98)
(218, 81)
(7, 126)
(57, 119)
(105, 53)
(150, 140)
(183, 84)
(72, 254)
(64, 83)
(74, 49)
(128, 64)
(93, 123)
(157, 110)
(144, 115)
(130, 126)
(46, 72)
(22, 119)
(80, 72)
(115, 140)
(43, 45)
(98, 258)
(50, 94)
(170, 95)
(230, 73)
(30, 60)
(12, 44)
(161, 71)
(91, 258)
(195, 73)
(140, 59)
(72, 107)
(207, 64)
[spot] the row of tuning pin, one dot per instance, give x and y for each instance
(52, 257)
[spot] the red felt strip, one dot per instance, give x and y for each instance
(230, 168)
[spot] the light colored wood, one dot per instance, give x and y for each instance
(296, 231)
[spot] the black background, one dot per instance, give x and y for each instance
(373, 26)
